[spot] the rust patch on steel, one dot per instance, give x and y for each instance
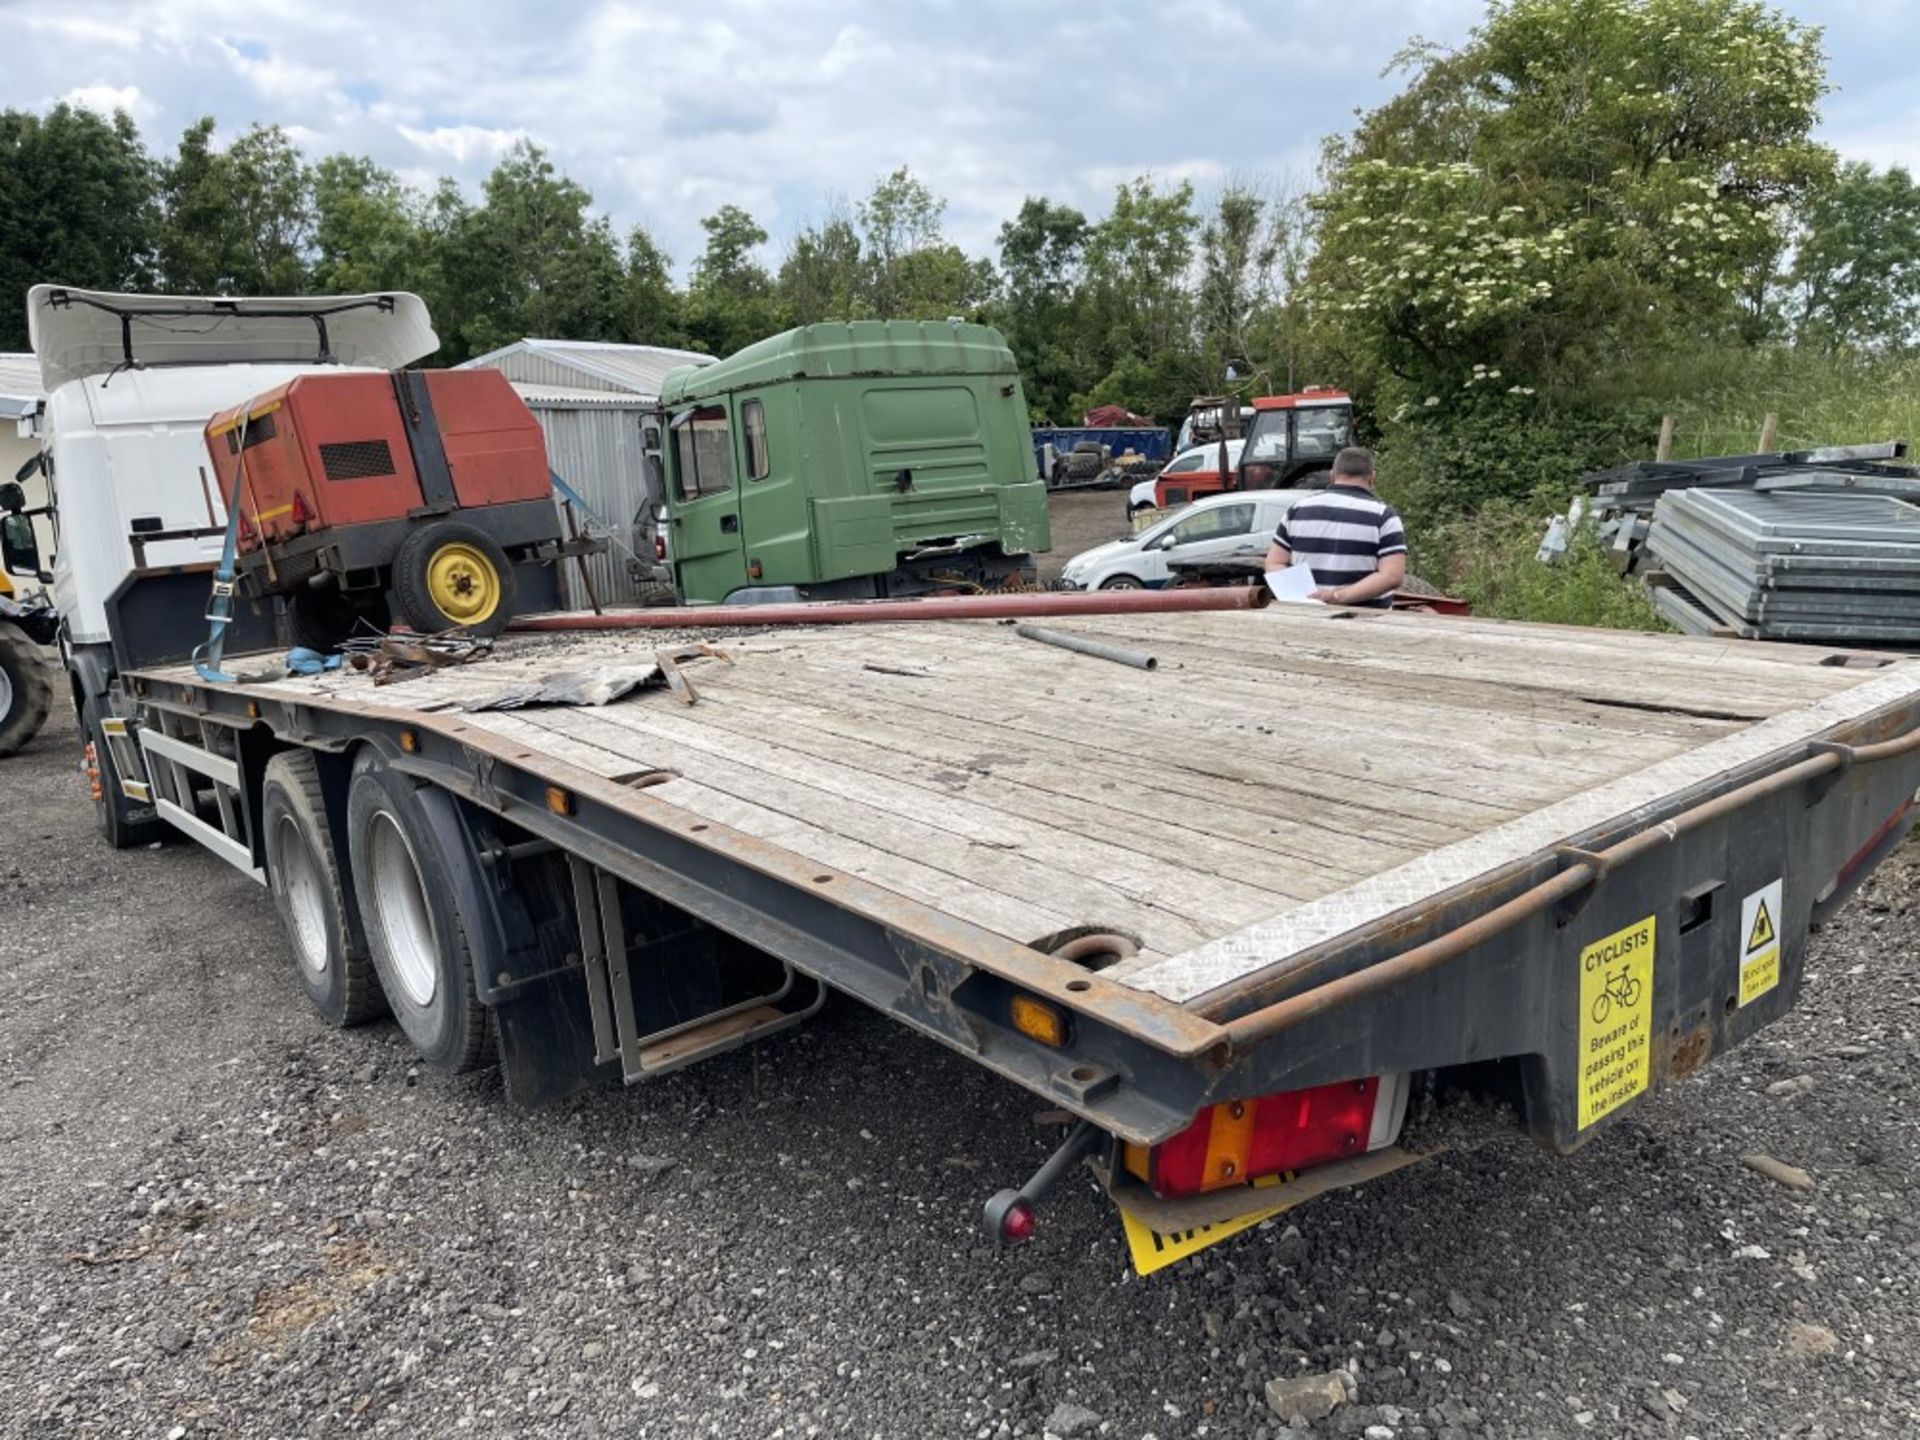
(1689, 1053)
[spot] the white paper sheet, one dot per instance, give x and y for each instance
(1295, 583)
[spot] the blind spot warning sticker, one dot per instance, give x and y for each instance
(1616, 1019)
(1760, 942)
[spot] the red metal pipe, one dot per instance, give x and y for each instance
(1019, 605)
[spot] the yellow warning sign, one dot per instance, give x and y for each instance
(1616, 1019)
(1760, 951)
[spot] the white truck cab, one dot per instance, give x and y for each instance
(131, 382)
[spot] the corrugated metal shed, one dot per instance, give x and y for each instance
(593, 443)
(590, 397)
(589, 364)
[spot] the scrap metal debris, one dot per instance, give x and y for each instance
(670, 660)
(603, 684)
(600, 685)
(393, 658)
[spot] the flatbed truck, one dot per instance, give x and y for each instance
(1566, 866)
(1581, 863)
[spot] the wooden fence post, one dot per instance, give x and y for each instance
(1769, 433)
(1665, 452)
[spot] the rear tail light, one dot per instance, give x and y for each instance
(659, 547)
(301, 513)
(1242, 1140)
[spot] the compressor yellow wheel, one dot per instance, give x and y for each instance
(451, 575)
(463, 584)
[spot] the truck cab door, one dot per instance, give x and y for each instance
(704, 503)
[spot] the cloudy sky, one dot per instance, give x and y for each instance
(667, 111)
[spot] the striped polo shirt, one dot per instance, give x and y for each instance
(1342, 533)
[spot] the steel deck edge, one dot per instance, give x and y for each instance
(1191, 976)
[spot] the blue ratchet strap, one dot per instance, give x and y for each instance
(572, 497)
(207, 657)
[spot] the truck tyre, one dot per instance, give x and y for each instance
(313, 896)
(412, 921)
(26, 693)
(124, 822)
(1121, 582)
(451, 575)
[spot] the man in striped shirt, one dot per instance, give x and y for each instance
(1349, 537)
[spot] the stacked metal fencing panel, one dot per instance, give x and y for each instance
(1819, 545)
(1813, 563)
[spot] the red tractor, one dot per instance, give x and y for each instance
(1288, 445)
(1293, 439)
(407, 495)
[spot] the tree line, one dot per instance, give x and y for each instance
(1577, 193)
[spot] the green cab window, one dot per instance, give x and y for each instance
(753, 424)
(703, 452)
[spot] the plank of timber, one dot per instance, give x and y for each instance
(1443, 776)
(955, 895)
(1581, 669)
(1164, 918)
(1204, 895)
(1241, 843)
(1658, 667)
(1378, 719)
(1199, 768)
(1450, 690)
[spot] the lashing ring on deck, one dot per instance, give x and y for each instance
(1091, 949)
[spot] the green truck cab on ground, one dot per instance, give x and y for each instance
(851, 461)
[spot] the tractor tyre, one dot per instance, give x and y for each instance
(26, 688)
(453, 576)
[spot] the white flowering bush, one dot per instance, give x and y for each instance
(1580, 180)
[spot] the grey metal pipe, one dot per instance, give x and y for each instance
(1098, 649)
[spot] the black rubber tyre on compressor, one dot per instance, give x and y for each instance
(450, 575)
(313, 895)
(405, 886)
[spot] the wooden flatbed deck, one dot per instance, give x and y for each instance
(1285, 775)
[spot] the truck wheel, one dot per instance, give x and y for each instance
(125, 822)
(26, 693)
(412, 921)
(449, 574)
(315, 904)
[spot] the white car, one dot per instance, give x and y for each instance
(1233, 526)
(1200, 459)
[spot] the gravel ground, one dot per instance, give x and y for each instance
(1081, 519)
(218, 1218)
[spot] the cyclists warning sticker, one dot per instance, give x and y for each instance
(1759, 942)
(1616, 1019)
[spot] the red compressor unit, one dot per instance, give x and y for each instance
(408, 496)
